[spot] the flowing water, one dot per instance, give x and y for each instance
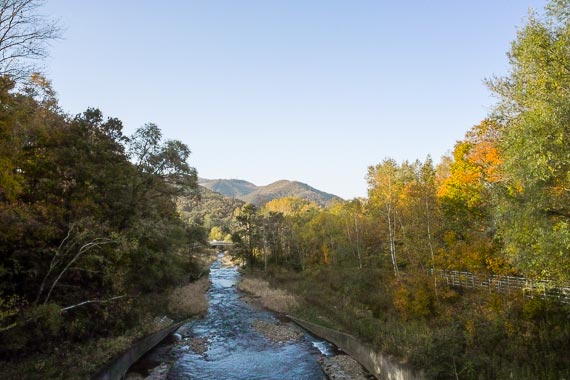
(235, 350)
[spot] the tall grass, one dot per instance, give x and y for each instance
(189, 300)
(277, 300)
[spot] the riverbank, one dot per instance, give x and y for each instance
(259, 292)
(80, 360)
(465, 335)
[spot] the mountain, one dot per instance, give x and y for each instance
(235, 188)
(259, 195)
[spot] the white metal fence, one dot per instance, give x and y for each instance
(504, 284)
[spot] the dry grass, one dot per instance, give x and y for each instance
(273, 299)
(189, 300)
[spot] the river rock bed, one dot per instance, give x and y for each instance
(198, 345)
(343, 367)
(277, 333)
(339, 367)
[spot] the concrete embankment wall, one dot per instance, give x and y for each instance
(119, 366)
(384, 367)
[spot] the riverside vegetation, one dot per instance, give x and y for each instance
(92, 245)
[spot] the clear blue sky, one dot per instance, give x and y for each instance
(308, 90)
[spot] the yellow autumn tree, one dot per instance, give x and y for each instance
(466, 195)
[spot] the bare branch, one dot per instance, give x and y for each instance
(54, 262)
(98, 242)
(92, 301)
(24, 36)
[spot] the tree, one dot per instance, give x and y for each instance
(384, 187)
(216, 233)
(467, 194)
(248, 230)
(162, 172)
(24, 37)
(291, 205)
(166, 160)
(351, 215)
(534, 105)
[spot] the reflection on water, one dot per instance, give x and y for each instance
(235, 349)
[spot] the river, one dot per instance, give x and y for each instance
(236, 350)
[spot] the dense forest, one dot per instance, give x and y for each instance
(95, 225)
(87, 217)
(210, 211)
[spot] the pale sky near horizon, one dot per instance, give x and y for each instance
(314, 91)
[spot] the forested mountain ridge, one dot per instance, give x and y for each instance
(234, 188)
(260, 195)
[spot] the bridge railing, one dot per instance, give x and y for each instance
(220, 243)
(504, 284)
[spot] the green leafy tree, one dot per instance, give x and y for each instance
(352, 216)
(247, 231)
(385, 183)
(534, 216)
(216, 233)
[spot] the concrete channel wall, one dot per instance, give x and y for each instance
(384, 367)
(120, 365)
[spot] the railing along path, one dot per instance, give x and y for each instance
(504, 284)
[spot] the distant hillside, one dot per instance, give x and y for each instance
(235, 188)
(259, 195)
(213, 209)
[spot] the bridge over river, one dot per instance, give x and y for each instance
(220, 243)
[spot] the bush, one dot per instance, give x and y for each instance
(414, 297)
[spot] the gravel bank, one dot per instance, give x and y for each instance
(277, 333)
(339, 367)
(343, 367)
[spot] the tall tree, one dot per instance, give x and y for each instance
(247, 230)
(534, 217)
(467, 195)
(351, 215)
(384, 187)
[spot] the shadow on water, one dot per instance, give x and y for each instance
(235, 350)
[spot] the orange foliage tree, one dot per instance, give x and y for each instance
(466, 194)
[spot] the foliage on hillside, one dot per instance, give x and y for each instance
(209, 210)
(234, 188)
(284, 188)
